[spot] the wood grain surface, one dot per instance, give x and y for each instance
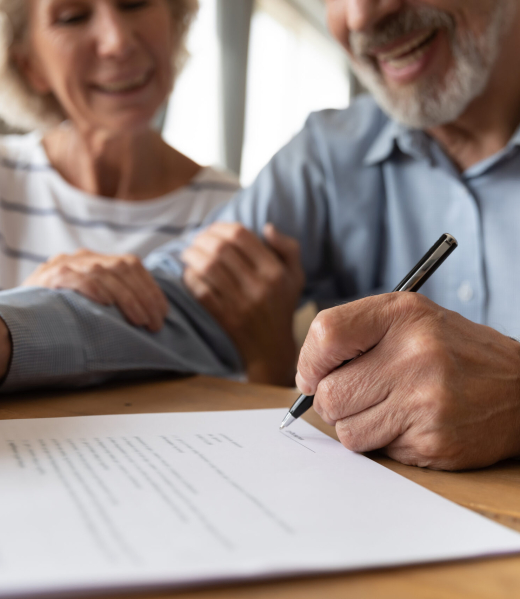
(493, 492)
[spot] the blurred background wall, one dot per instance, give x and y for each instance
(257, 69)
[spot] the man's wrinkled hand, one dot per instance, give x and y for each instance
(431, 389)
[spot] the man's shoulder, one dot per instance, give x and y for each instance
(352, 130)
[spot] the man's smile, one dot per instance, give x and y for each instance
(406, 58)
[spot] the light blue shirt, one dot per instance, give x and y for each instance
(365, 196)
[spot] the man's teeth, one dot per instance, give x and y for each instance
(123, 86)
(403, 56)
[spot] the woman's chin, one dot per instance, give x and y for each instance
(124, 123)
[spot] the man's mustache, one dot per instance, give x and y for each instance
(394, 27)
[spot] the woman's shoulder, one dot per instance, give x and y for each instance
(22, 153)
(209, 189)
(216, 179)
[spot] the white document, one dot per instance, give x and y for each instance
(108, 502)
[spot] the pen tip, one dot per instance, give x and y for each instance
(287, 421)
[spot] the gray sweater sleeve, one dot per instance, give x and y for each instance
(61, 339)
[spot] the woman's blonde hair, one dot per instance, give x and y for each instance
(23, 108)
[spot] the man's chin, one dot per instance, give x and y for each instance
(424, 104)
(414, 111)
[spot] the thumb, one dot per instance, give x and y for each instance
(287, 248)
(341, 334)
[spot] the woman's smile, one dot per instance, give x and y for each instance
(125, 85)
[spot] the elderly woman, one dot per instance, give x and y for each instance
(96, 181)
(88, 77)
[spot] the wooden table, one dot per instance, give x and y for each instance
(493, 492)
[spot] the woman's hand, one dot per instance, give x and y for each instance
(252, 289)
(122, 281)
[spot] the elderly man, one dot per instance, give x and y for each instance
(365, 192)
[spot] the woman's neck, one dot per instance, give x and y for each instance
(130, 166)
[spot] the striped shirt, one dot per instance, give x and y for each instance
(41, 215)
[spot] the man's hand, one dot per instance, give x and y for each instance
(431, 389)
(109, 280)
(252, 289)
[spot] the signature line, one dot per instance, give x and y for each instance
(291, 438)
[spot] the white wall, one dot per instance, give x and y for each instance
(294, 68)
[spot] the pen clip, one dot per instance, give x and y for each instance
(428, 264)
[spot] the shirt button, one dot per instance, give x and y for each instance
(465, 292)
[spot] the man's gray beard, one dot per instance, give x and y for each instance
(431, 102)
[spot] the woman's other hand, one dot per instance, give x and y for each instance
(122, 281)
(252, 289)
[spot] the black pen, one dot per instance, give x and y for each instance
(413, 281)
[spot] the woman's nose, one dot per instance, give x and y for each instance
(364, 15)
(115, 37)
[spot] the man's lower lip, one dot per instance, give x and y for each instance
(408, 73)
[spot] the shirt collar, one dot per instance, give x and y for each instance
(487, 164)
(394, 136)
(417, 144)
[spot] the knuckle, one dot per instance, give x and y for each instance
(238, 234)
(58, 259)
(256, 297)
(276, 276)
(132, 260)
(428, 351)
(331, 398)
(209, 268)
(121, 266)
(410, 303)
(221, 246)
(350, 436)
(205, 296)
(322, 329)
(63, 270)
(97, 269)
(437, 451)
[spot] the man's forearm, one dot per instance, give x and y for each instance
(60, 338)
